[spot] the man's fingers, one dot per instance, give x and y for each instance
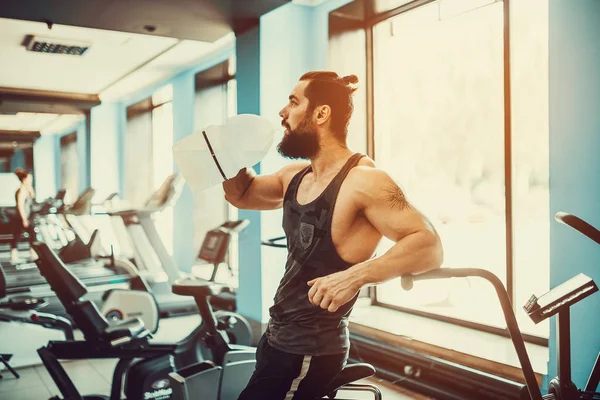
(312, 292)
(317, 298)
(325, 303)
(333, 306)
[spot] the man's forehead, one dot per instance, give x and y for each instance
(298, 90)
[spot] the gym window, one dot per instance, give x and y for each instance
(468, 146)
(215, 101)
(148, 156)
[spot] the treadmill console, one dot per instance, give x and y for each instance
(560, 298)
(214, 247)
(216, 242)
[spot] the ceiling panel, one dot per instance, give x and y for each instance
(179, 58)
(39, 122)
(111, 56)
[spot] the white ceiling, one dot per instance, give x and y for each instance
(111, 56)
(43, 123)
(116, 64)
(179, 58)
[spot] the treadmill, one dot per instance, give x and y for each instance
(98, 275)
(152, 259)
(44, 215)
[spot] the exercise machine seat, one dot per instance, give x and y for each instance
(197, 288)
(225, 300)
(133, 328)
(349, 374)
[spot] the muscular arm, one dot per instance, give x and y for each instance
(417, 246)
(249, 191)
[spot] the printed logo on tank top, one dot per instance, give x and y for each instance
(307, 232)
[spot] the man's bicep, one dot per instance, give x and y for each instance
(390, 212)
(392, 222)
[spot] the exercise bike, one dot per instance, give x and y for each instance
(152, 375)
(232, 366)
(138, 301)
(555, 302)
(143, 367)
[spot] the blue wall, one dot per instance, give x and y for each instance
(249, 301)
(574, 51)
(83, 154)
(183, 125)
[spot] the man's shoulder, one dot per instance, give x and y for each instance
(366, 173)
(287, 172)
(367, 182)
(293, 167)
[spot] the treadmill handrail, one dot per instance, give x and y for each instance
(509, 315)
(579, 225)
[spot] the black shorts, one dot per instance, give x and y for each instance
(284, 376)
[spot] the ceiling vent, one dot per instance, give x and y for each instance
(55, 46)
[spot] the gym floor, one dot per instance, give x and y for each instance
(94, 376)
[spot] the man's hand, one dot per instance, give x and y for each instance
(25, 223)
(333, 291)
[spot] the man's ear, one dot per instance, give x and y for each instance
(323, 114)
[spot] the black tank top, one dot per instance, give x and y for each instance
(296, 325)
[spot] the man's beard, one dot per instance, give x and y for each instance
(300, 143)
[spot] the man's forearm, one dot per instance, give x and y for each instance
(416, 253)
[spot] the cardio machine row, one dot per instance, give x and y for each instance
(229, 366)
(146, 370)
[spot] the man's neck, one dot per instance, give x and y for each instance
(330, 159)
